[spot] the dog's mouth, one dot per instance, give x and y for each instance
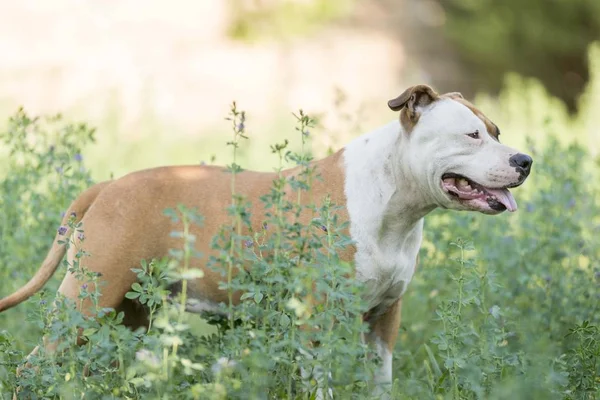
(476, 196)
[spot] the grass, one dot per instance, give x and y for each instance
(500, 307)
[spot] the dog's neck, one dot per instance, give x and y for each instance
(383, 199)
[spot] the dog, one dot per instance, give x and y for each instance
(440, 152)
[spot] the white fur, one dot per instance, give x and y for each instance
(385, 258)
(383, 375)
(393, 179)
(439, 144)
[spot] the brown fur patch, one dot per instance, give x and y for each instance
(407, 121)
(491, 128)
(117, 211)
(409, 102)
(387, 326)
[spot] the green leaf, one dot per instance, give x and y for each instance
(258, 296)
(137, 287)
(284, 320)
(89, 331)
(436, 367)
(495, 311)
(246, 295)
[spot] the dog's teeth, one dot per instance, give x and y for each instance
(463, 182)
(468, 187)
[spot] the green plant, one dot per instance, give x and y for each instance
(583, 361)
(512, 311)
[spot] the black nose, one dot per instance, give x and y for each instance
(522, 162)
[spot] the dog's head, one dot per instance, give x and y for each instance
(454, 150)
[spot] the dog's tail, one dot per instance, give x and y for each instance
(77, 210)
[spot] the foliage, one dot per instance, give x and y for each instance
(505, 308)
(46, 171)
(271, 330)
(500, 306)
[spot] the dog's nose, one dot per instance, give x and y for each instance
(522, 162)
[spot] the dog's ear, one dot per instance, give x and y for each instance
(411, 101)
(413, 97)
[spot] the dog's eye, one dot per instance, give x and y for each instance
(474, 135)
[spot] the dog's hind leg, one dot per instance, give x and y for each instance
(112, 295)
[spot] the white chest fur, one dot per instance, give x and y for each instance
(386, 230)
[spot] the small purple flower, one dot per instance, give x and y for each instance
(324, 228)
(202, 162)
(306, 133)
(241, 126)
(81, 236)
(42, 302)
(84, 286)
(59, 170)
(78, 157)
(248, 243)
(62, 230)
(548, 278)
(265, 226)
(73, 215)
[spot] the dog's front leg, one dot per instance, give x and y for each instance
(382, 336)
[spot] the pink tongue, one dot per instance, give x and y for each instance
(505, 197)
